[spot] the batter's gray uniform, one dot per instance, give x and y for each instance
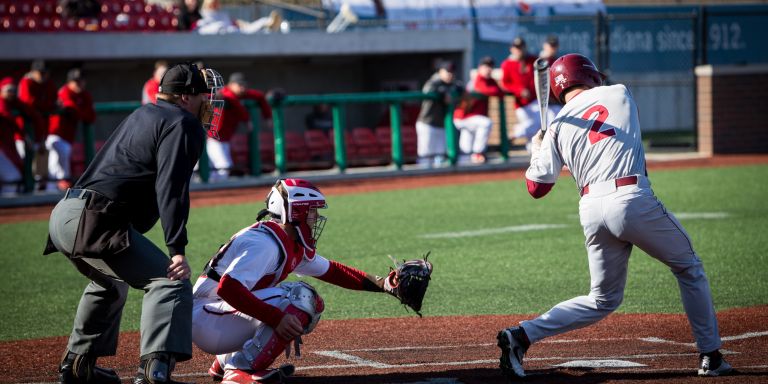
(597, 136)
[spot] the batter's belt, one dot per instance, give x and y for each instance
(620, 182)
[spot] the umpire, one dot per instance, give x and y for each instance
(142, 174)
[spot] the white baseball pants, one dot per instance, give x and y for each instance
(473, 135)
(614, 220)
(220, 158)
(59, 156)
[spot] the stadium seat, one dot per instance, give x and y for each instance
(267, 150)
(367, 149)
(24, 7)
(349, 147)
(238, 146)
(296, 150)
(320, 147)
(407, 137)
(5, 24)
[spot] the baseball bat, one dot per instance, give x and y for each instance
(541, 82)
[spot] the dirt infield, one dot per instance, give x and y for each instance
(235, 196)
(651, 348)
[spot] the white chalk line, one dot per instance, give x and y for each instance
(491, 231)
(539, 227)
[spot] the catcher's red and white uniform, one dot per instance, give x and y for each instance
(252, 264)
(597, 136)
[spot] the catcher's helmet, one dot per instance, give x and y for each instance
(295, 202)
(571, 70)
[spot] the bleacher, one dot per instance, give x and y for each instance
(114, 16)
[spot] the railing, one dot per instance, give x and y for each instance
(338, 104)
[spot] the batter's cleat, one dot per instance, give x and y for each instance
(82, 369)
(713, 364)
(216, 371)
(265, 376)
(513, 344)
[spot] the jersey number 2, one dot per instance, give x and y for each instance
(594, 132)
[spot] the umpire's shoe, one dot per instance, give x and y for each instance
(713, 364)
(513, 343)
(156, 368)
(82, 369)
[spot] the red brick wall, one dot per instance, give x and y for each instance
(732, 109)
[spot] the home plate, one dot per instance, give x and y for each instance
(600, 364)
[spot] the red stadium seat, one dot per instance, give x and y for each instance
(368, 151)
(238, 146)
(48, 7)
(407, 137)
(107, 24)
(5, 24)
(320, 147)
(349, 147)
(295, 148)
(25, 7)
(267, 150)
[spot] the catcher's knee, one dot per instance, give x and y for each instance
(303, 297)
(300, 300)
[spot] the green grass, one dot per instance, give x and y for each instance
(516, 272)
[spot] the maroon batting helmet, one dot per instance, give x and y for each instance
(571, 70)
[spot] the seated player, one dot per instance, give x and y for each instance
(242, 312)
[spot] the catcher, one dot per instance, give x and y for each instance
(242, 312)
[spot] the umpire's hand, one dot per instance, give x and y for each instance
(179, 268)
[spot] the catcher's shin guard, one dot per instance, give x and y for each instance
(82, 369)
(259, 352)
(300, 300)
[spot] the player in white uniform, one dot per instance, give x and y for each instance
(242, 312)
(597, 136)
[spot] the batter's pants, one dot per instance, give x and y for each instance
(613, 222)
(166, 311)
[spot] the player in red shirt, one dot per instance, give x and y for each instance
(471, 117)
(149, 92)
(76, 105)
(37, 91)
(13, 116)
(517, 79)
(235, 113)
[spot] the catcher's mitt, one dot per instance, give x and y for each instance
(408, 281)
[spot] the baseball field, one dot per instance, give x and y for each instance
(499, 257)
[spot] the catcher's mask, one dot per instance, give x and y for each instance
(188, 79)
(295, 202)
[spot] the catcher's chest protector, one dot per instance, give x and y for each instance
(291, 254)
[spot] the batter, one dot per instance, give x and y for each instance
(597, 136)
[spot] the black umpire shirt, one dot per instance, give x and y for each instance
(146, 165)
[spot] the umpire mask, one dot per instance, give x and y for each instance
(188, 79)
(210, 113)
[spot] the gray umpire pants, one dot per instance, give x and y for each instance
(166, 315)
